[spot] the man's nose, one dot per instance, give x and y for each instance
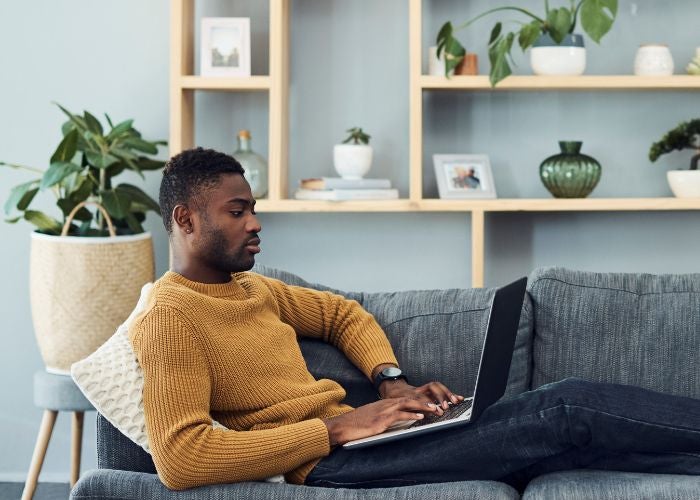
(253, 225)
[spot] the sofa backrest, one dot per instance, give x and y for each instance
(637, 329)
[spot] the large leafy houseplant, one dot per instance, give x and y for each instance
(82, 169)
(597, 17)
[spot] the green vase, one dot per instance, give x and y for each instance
(570, 174)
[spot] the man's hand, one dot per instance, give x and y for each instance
(375, 418)
(432, 392)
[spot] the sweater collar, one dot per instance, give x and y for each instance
(211, 289)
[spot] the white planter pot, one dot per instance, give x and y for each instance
(653, 60)
(548, 58)
(81, 289)
(352, 161)
(684, 183)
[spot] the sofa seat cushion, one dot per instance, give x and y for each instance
(635, 329)
(602, 485)
(112, 484)
(435, 334)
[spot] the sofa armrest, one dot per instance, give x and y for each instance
(106, 484)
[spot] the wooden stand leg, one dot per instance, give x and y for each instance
(42, 443)
(77, 442)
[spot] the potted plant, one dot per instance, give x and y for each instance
(86, 267)
(683, 183)
(556, 48)
(353, 158)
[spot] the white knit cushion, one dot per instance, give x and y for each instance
(112, 380)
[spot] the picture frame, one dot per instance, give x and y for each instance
(225, 47)
(464, 176)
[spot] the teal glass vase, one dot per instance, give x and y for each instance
(254, 165)
(570, 174)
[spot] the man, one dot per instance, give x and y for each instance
(217, 342)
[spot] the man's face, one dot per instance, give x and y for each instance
(227, 239)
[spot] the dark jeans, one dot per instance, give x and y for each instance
(566, 425)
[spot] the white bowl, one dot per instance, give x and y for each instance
(352, 161)
(558, 60)
(684, 183)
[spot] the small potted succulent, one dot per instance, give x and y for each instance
(86, 267)
(683, 183)
(556, 49)
(353, 158)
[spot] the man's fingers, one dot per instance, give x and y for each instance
(443, 395)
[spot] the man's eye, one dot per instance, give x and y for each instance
(236, 213)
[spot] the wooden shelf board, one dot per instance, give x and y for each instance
(585, 82)
(255, 83)
(499, 205)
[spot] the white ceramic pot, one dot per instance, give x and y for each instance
(436, 67)
(352, 161)
(684, 183)
(568, 58)
(653, 60)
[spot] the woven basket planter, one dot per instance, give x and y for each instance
(82, 289)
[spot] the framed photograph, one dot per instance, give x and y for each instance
(464, 176)
(225, 47)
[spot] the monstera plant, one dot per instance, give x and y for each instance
(597, 17)
(83, 168)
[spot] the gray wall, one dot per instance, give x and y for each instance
(349, 67)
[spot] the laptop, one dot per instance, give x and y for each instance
(491, 379)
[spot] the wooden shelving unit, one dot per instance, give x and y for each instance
(184, 82)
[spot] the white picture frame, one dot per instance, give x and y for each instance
(225, 47)
(464, 176)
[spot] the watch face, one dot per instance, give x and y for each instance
(391, 372)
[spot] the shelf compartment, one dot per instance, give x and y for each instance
(585, 82)
(250, 83)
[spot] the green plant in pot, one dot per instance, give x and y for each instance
(87, 267)
(683, 183)
(547, 35)
(353, 158)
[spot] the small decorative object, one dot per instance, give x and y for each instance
(566, 58)
(436, 66)
(225, 47)
(570, 174)
(683, 183)
(693, 67)
(352, 161)
(469, 65)
(254, 165)
(464, 176)
(653, 60)
(85, 277)
(597, 17)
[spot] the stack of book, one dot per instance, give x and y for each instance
(339, 189)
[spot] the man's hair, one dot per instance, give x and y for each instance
(188, 176)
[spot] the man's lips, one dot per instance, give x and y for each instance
(253, 245)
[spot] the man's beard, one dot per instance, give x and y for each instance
(215, 252)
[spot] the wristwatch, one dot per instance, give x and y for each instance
(391, 373)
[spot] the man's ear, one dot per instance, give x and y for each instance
(182, 218)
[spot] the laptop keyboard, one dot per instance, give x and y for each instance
(453, 411)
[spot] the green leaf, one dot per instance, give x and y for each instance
(13, 220)
(120, 129)
(141, 145)
(499, 51)
(495, 32)
(66, 205)
(109, 121)
(78, 121)
(93, 124)
(136, 195)
(57, 172)
(597, 17)
(67, 148)
(529, 34)
(116, 205)
(149, 164)
(443, 35)
(559, 22)
(454, 53)
(43, 222)
(83, 190)
(18, 195)
(134, 224)
(99, 160)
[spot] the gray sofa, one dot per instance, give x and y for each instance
(635, 329)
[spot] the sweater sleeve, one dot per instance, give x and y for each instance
(336, 320)
(186, 449)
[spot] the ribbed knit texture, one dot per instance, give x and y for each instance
(230, 352)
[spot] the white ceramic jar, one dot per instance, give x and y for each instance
(653, 60)
(352, 161)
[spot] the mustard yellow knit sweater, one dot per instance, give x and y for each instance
(230, 352)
